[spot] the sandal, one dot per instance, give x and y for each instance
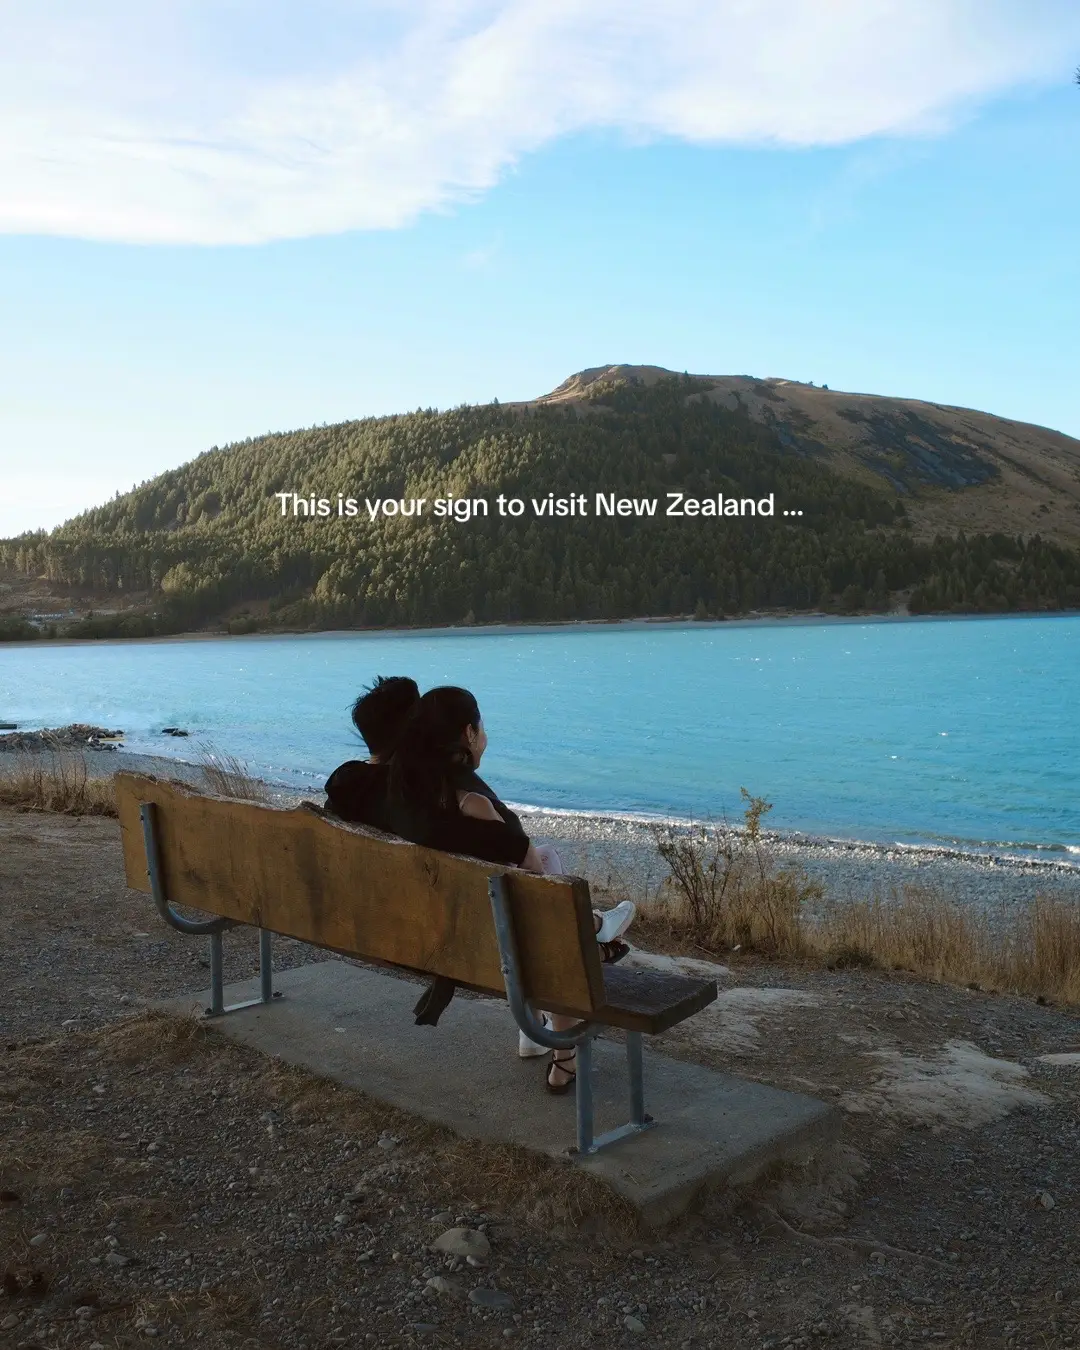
(610, 952)
(560, 1089)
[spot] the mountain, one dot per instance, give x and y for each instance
(843, 503)
(954, 467)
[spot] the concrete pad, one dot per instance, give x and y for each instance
(355, 1026)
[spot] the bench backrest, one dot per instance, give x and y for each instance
(304, 875)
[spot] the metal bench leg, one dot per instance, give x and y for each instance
(267, 993)
(266, 965)
(202, 927)
(580, 1037)
(638, 1122)
(583, 1088)
(636, 1073)
(217, 977)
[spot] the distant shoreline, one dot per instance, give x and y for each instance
(807, 619)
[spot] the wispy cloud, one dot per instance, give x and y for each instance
(240, 121)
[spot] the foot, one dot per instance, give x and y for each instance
(561, 1072)
(615, 922)
(528, 1048)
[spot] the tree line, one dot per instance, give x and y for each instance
(208, 540)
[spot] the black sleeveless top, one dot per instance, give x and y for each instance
(357, 792)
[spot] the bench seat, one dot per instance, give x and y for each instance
(651, 1001)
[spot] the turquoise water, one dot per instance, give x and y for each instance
(958, 731)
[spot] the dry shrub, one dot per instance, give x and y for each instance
(725, 890)
(52, 781)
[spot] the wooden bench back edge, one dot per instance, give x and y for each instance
(307, 876)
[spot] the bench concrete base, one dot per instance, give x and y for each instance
(355, 1026)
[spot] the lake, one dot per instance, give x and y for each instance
(963, 732)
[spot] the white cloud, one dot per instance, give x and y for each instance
(239, 121)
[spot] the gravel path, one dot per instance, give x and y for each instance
(160, 1185)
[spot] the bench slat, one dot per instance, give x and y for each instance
(298, 873)
(651, 1001)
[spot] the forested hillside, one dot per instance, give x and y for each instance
(208, 543)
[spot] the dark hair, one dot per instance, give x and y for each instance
(430, 753)
(381, 711)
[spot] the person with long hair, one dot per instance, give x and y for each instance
(434, 792)
(356, 790)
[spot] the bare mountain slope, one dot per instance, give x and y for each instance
(957, 468)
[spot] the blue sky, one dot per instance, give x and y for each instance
(391, 206)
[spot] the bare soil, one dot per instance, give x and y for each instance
(160, 1184)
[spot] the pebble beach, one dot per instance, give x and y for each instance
(619, 851)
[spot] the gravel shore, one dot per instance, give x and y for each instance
(612, 850)
(158, 1184)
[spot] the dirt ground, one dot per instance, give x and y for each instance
(160, 1184)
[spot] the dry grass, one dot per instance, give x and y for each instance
(1035, 949)
(725, 893)
(54, 781)
(227, 776)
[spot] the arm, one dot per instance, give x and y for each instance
(480, 808)
(492, 837)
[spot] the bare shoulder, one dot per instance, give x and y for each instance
(475, 805)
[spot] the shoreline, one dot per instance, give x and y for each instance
(796, 619)
(615, 850)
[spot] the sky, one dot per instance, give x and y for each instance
(225, 217)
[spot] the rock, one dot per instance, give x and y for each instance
(116, 1259)
(84, 1311)
(634, 1324)
(387, 1141)
(1045, 1199)
(443, 1218)
(495, 1299)
(476, 1261)
(441, 1285)
(39, 1239)
(9, 1321)
(462, 1242)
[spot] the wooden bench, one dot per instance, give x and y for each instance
(497, 931)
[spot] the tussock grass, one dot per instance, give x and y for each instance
(54, 781)
(227, 776)
(1033, 949)
(725, 893)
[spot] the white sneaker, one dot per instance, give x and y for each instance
(528, 1048)
(615, 922)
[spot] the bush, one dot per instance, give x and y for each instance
(725, 890)
(13, 629)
